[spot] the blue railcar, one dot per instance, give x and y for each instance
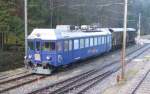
(51, 48)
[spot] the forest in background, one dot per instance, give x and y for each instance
(49, 13)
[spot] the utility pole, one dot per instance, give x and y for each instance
(51, 8)
(26, 26)
(139, 26)
(124, 39)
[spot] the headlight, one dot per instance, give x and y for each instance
(30, 56)
(25, 57)
(48, 58)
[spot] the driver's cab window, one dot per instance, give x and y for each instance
(52, 46)
(46, 46)
(30, 45)
(49, 46)
(38, 45)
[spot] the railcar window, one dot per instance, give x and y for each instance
(99, 40)
(87, 42)
(46, 46)
(95, 41)
(91, 41)
(52, 46)
(30, 45)
(70, 45)
(108, 39)
(81, 43)
(49, 46)
(105, 38)
(76, 44)
(37, 45)
(66, 45)
(102, 40)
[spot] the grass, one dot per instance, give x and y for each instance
(131, 73)
(10, 60)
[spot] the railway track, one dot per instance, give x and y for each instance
(29, 78)
(78, 89)
(13, 79)
(18, 82)
(10, 75)
(90, 78)
(8, 79)
(113, 71)
(141, 82)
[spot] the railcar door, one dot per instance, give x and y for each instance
(37, 55)
(67, 54)
(59, 49)
(31, 49)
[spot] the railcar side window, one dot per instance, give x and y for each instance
(30, 45)
(87, 42)
(102, 40)
(76, 44)
(108, 39)
(66, 45)
(99, 40)
(95, 41)
(81, 43)
(91, 41)
(52, 46)
(70, 45)
(105, 39)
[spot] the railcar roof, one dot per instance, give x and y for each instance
(55, 34)
(122, 29)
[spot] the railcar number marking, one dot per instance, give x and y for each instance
(37, 57)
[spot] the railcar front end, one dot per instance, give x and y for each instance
(42, 56)
(43, 50)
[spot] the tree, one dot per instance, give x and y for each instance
(4, 27)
